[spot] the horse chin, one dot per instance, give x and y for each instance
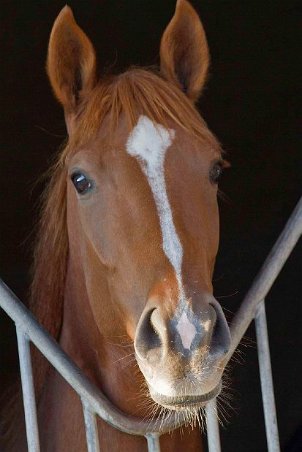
(188, 391)
(185, 402)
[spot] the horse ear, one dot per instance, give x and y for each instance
(184, 54)
(70, 62)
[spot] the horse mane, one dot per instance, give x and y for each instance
(131, 94)
(49, 264)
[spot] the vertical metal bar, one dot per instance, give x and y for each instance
(30, 410)
(92, 436)
(266, 276)
(153, 442)
(212, 427)
(266, 378)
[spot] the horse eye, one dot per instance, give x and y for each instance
(81, 182)
(216, 172)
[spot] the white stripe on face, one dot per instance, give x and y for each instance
(148, 143)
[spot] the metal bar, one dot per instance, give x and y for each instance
(74, 375)
(97, 402)
(92, 436)
(212, 427)
(30, 411)
(153, 442)
(266, 276)
(266, 379)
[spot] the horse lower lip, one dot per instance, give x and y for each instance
(186, 401)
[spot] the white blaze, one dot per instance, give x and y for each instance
(148, 143)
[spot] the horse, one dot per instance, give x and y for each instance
(127, 242)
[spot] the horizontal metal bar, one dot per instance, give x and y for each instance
(266, 379)
(92, 436)
(266, 276)
(29, 402)
(212, 427)
(74, 375)
(153, 442)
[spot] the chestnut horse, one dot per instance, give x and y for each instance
(128, 239)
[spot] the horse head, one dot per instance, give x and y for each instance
(142, 170)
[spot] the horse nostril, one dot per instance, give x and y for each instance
(221, 337)
(147, 338)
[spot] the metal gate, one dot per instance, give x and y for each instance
(96, 404)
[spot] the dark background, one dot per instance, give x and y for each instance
(251, 103)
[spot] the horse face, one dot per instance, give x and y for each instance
(147, 207)
(142, 208)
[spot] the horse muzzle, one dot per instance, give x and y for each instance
(181, 353)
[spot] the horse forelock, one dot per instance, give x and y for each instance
(134, 93)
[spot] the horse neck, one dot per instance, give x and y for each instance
(110, 365)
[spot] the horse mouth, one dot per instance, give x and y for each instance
(178, 403)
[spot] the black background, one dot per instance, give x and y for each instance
(251, 103)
